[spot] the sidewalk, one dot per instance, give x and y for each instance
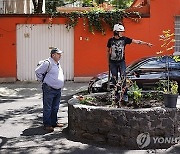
(21, 124)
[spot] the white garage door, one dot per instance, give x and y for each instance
(33, 42)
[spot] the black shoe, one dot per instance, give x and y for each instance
(49, 129)
(58, 125)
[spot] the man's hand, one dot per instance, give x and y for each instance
(149, 44)
(142, 42)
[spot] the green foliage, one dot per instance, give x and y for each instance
(52, 4)
(113, 17)
(72, 19)
(163, 85)
(95, 21)
(86, 100)
(176, 58)
(135, 92)
(121, 4)
(97, 17)
(87, 3)
(167, 38)
(174, 87)
(152, 95)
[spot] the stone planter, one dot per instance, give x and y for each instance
(123, 127)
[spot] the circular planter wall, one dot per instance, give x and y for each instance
(123, 127)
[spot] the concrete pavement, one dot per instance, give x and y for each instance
(21, 124)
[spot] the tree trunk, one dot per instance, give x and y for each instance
(37, 6)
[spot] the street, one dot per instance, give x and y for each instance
(21, 128)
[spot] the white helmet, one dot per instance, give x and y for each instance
(119, 28)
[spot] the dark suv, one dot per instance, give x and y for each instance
(146, 72)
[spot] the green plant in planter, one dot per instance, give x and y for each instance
(170, 97)
(135, 92)
(174, 87)
(170, 92)
(163, 86)
(167, 39)
(85, 99)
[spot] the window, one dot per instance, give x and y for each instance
(154, 64)
(177, 33)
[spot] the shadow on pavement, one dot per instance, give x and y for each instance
(3, 140)
(10, 99)
(34, 131)
(10, 92)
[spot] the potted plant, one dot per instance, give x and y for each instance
(170, 92)
(170, 88)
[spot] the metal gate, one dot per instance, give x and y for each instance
(177, 33)
(33, 42)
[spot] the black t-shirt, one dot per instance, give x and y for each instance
(118, 47)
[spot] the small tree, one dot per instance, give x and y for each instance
(51, 5)
(167, 39)
(37, 6)
(167, 45)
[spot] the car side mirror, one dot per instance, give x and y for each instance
(137, 73)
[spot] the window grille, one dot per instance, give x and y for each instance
(177, 34)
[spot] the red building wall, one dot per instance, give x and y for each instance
(90, 49)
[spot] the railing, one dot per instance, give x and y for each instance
(16, 6)
(27, 7)
(177, 33)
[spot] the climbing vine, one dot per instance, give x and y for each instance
(95, 19)
(72, 19)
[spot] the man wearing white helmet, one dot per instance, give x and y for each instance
(116, 53)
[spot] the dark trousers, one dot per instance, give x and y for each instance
(115, 68)
(51, 102)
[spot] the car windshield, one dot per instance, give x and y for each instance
(154, 62)
(137, 63)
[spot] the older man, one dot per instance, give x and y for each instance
(51, 75)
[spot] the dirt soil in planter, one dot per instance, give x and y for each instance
(103, 99)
